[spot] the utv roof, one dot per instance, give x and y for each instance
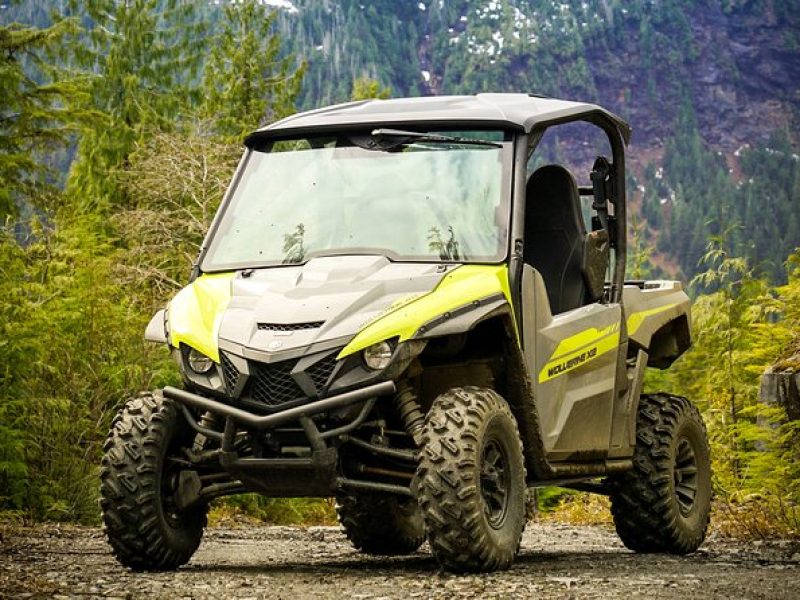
(520, 112)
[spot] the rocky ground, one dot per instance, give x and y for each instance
(556, 561)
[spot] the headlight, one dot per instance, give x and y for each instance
(199, 362)
(378, 356)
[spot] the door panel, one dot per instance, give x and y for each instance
(572, 359)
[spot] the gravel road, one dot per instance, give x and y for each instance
(556, 561)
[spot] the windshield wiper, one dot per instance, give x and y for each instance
(402, 138)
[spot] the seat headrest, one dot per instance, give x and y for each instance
(551, 190)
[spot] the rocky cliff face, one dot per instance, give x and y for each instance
(741, 73)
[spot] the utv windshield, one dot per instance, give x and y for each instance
(423, 198)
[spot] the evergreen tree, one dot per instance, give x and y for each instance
(144, 56)
(72, 340)
(639, 252)
(365, 88)
(728, 355)
(33, 117)
(247, 82)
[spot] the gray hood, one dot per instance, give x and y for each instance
(332, 298)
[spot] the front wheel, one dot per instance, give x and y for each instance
(138, 479)
(471, 481)
(664, 503)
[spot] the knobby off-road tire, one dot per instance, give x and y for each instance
(663, 504)
(471, 481)
(381, 524)
(145, 530)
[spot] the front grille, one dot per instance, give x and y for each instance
(230, 374)
(321, 371)
(290, 326)
(274, 385)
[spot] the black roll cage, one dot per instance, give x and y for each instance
(524, 146)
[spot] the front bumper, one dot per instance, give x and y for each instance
(316, 475)
(255, 421)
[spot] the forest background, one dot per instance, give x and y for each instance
(121, 123)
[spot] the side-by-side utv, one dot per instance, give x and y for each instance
(393, 307)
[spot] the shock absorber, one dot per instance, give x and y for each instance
(207, 421)
(410, 411)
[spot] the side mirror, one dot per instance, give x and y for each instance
(156, 330)
(603, 193)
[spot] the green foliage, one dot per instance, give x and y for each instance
(33, 118)
(726, 330)
(639, 252)
(82, 278)
(365, 88)
(293, 511)
(145, 57)
(694, 196)
(766, 200)
(789, 298)
(345, 40)
(71, 360)
(15, 348)
(247, 83)
(740, 326)
(550, 498)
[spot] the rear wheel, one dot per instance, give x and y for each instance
(138, 479)
(664, 503)
(381, 524)
(471, 481)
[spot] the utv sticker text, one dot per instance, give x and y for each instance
(572, 363)
(579, 349)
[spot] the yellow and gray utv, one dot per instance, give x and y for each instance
(398, 305)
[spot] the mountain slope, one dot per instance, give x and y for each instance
(711, 89)
(736, 63)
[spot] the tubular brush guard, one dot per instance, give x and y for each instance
(321, 477)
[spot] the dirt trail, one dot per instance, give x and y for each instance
(283, 562)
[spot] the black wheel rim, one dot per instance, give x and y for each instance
(685, 475)
(495, 476)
